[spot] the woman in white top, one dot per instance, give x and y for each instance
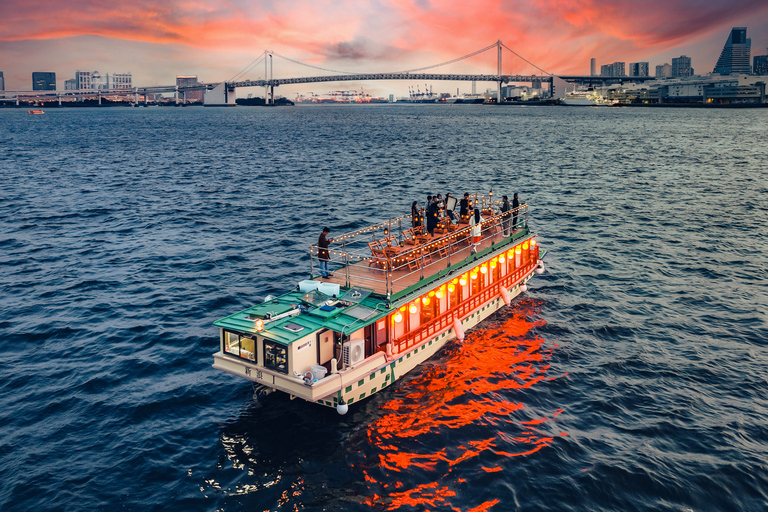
(475, 222)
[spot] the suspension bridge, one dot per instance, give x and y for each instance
(223, 93)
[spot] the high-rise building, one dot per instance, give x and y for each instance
(43, 81)
(759, 65)
(70, 85)
(189, 81)
(592, 67)
(2, 82)
(663, 70)
(638, 69)
(681, 66)
(615, 69)
(91, 80)
(735, 55)
(83, 79)
(120, 81)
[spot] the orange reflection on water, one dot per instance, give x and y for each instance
(466, 395)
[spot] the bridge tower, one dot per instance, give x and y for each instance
(498, 82)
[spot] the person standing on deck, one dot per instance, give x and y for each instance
(505, 213)
(322, 252)
(415, 214)
(477, 229)
(464, 207)
(449, 211)
(515, 205)
(432, 210)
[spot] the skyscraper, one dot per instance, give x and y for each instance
(2, 82)
(759, 65)
(43, 81)
(681, 66)
(190, 81)
(663, 70)
(592, 67)
(735, 55)
(615, 69)
(638, 69)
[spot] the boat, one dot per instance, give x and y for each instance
(466, 99)
(37, 112)
(395, 298)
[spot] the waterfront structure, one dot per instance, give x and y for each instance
(189, 81)
(710, 90)
(759, 65)
(638, 69)
(70, 85)
(663, 70)
(592, 67)
(615, 69)
(681, 66)
(43, 81)
(734, 58)
(2, 82)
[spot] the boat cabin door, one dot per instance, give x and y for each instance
(325, 346)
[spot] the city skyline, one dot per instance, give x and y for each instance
(157, 41)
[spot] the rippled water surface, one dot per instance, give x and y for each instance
(631, 376)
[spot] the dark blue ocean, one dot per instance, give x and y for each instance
(632, 376)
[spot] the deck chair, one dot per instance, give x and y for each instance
(378, 257)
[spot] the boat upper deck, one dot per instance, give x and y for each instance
(393, 262)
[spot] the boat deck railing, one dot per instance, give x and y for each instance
(391, 257)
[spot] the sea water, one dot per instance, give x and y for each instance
(630, 376)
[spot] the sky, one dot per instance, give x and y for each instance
(156, 40)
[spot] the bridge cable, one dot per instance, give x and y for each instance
(525, 60)
(247, 68)
(315, 67)
(452, 61)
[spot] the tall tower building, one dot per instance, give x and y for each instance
(2, 82)
(681, 66)
(43, 81)
(759, 65)
(592, 67)
(735, 55)
(663, 70)
(638, 69)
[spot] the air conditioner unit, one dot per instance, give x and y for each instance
(354, 352)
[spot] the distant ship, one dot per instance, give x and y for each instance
(584, 99)
(466, 99)
(37, 112)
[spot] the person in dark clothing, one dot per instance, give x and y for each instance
(505, 212)
(464, 207)
(449, 207)
(415, 214)
(432, 211)
(322, 252)
(515, 205)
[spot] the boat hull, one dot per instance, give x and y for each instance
(374, 373)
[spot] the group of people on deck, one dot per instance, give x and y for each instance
(438, 209)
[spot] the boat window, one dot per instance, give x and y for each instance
(239, 345)
(427, 308)
(275, 357)
(232, 343)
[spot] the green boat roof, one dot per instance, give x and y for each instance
(313, 315)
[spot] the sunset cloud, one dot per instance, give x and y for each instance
(158, 39)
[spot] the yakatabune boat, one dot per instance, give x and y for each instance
(396, 297)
